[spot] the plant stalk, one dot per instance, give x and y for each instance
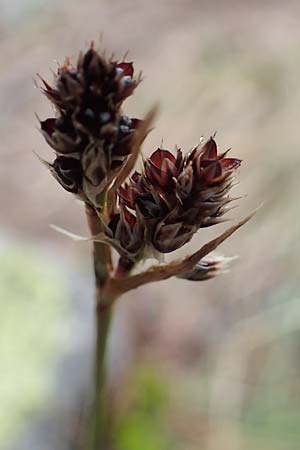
(97, 427)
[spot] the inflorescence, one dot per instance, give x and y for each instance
(155, 211)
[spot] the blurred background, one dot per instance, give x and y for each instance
(210, 366)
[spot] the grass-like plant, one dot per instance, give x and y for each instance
(138, 214)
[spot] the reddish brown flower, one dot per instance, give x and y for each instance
(162, 167)
(155, 211)
(90, 126)
(177, 195)
(125, 232)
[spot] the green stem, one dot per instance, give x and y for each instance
(98, 433)
(97, 427)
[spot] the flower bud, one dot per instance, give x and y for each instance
(207, 269)
(126, 233)
(168, 237)
(68, 173)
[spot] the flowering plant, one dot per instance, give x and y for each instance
(140, 214)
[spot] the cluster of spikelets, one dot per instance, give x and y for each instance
(172, 199)
(90, 135)
(153, 212)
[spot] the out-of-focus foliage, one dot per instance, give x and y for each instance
(32, 308)
(162, 410)
(143, 421)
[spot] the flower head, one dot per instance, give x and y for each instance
(155, 211)
(89, 126)
(177, 195)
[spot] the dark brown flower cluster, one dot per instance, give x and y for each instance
(156, 211)
(91, 137)
(162, 207)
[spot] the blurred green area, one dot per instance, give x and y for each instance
(33, 307)
(143, 422)
(166, 410)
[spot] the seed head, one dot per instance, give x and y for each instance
(177, 195)
(90, 135)
(157, 210)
